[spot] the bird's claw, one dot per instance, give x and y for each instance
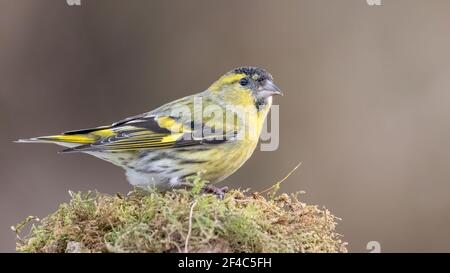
(219, 192)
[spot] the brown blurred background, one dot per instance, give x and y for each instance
(366, 105)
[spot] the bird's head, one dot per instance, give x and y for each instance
(246, 86)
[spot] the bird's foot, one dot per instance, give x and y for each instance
(219, 192)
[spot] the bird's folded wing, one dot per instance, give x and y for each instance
(151, 132)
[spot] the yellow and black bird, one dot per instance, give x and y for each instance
(191, 135)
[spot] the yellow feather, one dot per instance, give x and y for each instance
(227, 79)
(103, 133)
(82, 139)
(171, 125)
(171, 138)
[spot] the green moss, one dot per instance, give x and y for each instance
(161, 222)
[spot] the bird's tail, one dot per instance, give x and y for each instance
(76, 139)
(72, 138)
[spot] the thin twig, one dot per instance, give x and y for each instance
(281, 181)
(190, 227)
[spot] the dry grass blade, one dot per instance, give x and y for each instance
(276, 186)
(186, 244)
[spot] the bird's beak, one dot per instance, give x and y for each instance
(269, 89)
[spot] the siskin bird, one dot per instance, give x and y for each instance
(213, 133)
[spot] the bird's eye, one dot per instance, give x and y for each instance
(243, 82)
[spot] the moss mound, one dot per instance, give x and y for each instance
(183, 221)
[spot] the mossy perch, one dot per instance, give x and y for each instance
(183, 221)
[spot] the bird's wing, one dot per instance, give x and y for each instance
(154, 130)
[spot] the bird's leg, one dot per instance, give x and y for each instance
(208, 188)
(219, 192)
(184, 184)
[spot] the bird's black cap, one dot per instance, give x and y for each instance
(256, 73)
